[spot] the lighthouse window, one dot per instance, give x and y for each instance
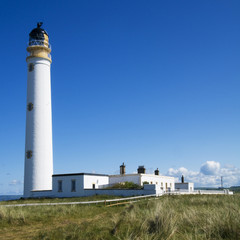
(30, 107)
(29, 154)
(30, 67)
(73, 186)
(59, 185)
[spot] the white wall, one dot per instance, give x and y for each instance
(42, 194)
(147, 190)
(66, 185)
(164, 182)
(83, 181)
(99, 181)
(184, 186)
(140, 178)
(191, 187)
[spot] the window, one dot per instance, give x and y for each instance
(29, 154)
(30, 107)
(30, 67)
(73, 186)
(157, 183)
(93, 186)
(151, 182)
(59, 185)
(166, 186)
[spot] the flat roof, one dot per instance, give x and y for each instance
(78, 174)
(140, 174)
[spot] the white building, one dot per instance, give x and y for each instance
(187, 186)
(87, 184)
(184, 186)
(74, 184)
(164, 182)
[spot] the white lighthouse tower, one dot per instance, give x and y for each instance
(38, 145)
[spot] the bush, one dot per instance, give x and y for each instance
(125, 185)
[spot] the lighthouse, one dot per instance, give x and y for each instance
(38, 143)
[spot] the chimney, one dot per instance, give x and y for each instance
(182, 178)
(122, 169)
(141, 169)
(156, 172)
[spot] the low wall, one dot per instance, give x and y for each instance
(148, 190)
(118, 192)
(42, 194)
(212, 192)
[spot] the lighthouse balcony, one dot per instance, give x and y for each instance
(39, 43)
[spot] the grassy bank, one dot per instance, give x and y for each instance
(168, 217)
(57, 200)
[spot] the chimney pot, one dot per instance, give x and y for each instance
(156, 172)
(122, 169)
(141, 169)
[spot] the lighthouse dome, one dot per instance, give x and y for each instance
(39, 37)
(38, 33)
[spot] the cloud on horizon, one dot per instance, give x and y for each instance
(209, 175)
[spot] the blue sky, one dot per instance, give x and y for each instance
(152, 83)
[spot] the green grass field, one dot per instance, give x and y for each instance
(167, 217)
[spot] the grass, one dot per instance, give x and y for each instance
(167, 217)
(58, 200)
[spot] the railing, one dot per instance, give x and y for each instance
(39, 43)
(113, 202)
(106, 202)
(183, 191)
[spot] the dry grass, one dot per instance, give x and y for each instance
(57, 200)
(168, 217)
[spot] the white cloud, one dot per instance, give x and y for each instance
(210, 168)
(180, 171)
(209, 175)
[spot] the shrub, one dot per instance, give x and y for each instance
(126, 185)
